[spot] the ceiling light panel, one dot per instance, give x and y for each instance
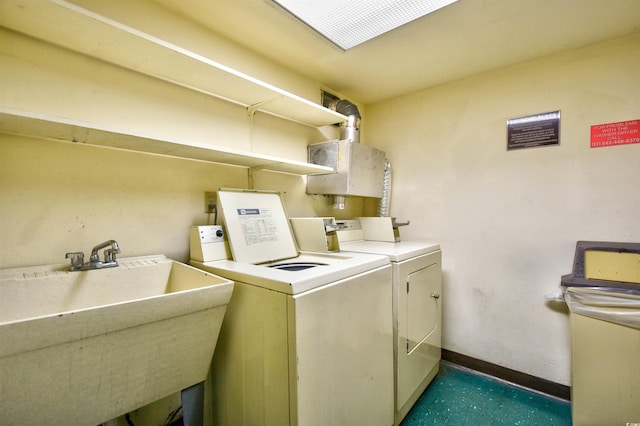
(348, 23)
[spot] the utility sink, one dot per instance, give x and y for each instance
(86, 347)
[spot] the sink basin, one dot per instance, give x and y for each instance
(86, 347)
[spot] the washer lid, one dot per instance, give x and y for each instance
(397, 252)
(257, 226)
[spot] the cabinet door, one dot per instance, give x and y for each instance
(417, 290)
(423, 291)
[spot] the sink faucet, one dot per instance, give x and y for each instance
(77, 258)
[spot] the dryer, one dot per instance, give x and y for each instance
(417, 303)
(307, 338)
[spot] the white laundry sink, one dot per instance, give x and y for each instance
(86, 347)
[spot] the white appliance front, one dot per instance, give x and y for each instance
(417, 313)
(299, 346)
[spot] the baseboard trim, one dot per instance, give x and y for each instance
(516, 377)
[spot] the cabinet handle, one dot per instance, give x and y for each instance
(435, 295)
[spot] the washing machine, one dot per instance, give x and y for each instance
(307, 337)
(416, 299)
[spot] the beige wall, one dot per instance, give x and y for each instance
(508, 221)
(59, 197)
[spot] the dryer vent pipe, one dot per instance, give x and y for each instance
(349, 129)
(385, 202)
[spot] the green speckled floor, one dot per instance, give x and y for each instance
(460, 397)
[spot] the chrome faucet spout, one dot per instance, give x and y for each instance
(95, 257)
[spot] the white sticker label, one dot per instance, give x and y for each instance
(258, 226)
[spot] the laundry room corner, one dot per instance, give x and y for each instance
(509, 220)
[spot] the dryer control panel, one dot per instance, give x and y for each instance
(208, 243)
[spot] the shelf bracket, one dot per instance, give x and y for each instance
(251, 112)
(251, 175)
(251, 109)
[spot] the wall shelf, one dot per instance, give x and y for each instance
(24, 123)
(68, 25)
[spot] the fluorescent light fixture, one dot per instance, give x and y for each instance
(348, 23)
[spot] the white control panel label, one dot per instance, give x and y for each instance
(211, 234)
(258, 226)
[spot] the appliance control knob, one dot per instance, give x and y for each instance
(219, 233)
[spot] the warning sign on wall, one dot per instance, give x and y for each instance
(620, 133)
(533, 130)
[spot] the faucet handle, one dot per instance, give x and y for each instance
(110, 254)
(77, 260)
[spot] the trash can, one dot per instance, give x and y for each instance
(605, 333)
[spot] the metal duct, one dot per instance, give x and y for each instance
(349, 129)
(346, 107)
(385, 202)
(359, 169)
